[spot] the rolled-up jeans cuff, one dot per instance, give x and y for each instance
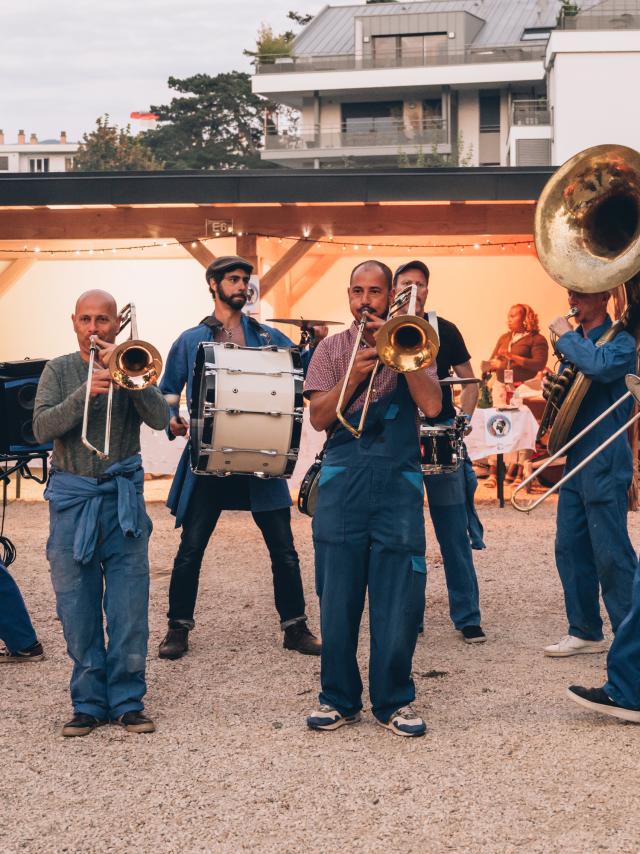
(284, 624)
(182, 624)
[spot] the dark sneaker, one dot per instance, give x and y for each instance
(81, 724)
(473, 634)
(299, 638)
(175, 644)
(328, 718)
(405, 722)
(136, 722)
(32, 653)
(598, 701)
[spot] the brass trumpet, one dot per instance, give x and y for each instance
(405, 343)
(133, 365)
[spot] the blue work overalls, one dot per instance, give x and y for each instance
(593, 549)
(368, 532)
(16, 630)
(623, 661)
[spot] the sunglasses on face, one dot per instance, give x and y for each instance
(235, 279)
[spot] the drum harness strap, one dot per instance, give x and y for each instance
(214, 324)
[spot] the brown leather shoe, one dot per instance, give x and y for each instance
(299, 638)
(175, 644)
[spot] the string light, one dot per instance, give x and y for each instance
(330, 240)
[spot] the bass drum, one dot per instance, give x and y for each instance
(246, 410)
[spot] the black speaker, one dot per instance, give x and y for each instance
(18, 385)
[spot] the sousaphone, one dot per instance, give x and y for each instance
(587, 235)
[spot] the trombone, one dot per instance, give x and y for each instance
(133, 365)
(633, 384)
(405, 343)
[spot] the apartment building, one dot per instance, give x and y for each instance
(33, 155)
(466, 82)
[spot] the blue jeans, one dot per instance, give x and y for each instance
(16, 631)
(448, 508)
(623, 661)
(106, 681)
(593, 553)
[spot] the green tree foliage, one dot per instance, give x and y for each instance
(110, 148)
(215, 123)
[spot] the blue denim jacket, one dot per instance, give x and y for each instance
(270, 494)
(606, 366)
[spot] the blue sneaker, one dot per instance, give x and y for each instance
(329, 718)
(405, 722)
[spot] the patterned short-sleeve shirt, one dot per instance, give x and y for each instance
(329, 365)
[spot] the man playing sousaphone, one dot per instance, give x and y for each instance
(593, 550)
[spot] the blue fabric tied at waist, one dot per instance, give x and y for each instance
(124, 479)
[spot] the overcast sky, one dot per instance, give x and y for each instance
(64, 63)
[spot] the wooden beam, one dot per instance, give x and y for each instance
(247, 248)
(188, 224)
(315, 272)
(288, 261)
(14, 272)
(199, 251)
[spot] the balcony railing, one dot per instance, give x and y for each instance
(530, 113)
(623, 15)
(403, 59)
(432, 132)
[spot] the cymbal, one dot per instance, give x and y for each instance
(459, 380)
(304, 324)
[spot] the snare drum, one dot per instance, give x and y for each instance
(246, 410)
(441, 448)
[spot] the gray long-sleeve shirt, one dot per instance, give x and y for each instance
(59, 407)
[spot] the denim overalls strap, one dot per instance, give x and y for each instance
(390, 436)
(123, 481)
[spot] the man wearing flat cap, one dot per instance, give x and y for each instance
(197, 502)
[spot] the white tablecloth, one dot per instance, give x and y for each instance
(499, 431)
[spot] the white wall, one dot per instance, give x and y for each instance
(592, 81)
(473, 292)
(469, 122)
(170, 296)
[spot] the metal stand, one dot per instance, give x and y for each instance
(500, 478)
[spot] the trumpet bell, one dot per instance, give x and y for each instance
(587, 222)
(407, 343)
(134, 365)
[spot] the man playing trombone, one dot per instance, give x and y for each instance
(368, 527)
(593, 550)
(99, 534)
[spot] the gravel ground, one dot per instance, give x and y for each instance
(507, 765)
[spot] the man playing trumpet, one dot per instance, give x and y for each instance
(99, 533)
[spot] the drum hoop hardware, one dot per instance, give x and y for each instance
(267, 453)
(209, 409)
(294, 373)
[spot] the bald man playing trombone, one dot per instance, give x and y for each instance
(99, 528)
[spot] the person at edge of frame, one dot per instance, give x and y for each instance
(98, 546)
(592, 549)
(368, 526)
(450, 494)
(197, 500)
(16, 629)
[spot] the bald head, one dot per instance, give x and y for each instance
(96, 315)
(96, 297)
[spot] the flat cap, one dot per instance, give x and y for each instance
(227, 262)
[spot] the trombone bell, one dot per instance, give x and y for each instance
(407, 343)
(134, 365)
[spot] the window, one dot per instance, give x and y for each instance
(419, 49)
(39, 164)
(4, 164)
(534, 34)
(489, 111)
(375, 115)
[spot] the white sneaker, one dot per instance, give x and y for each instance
(571, 645)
